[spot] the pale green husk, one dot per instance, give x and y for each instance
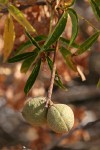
(60, 118)
(34, 111)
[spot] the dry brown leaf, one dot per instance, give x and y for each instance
(9, 37)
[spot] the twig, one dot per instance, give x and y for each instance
(88, 125)
(52, 77)
(81, 74)
(81, 94)
(23, 7)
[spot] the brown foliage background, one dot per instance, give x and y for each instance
(83, 97)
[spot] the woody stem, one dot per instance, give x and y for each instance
(49, 95)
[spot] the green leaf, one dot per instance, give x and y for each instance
(67, 57)
(57, 78)
(3, 2)
(88, 43)
(95, 8)
(23, 47)
(98, 84)
(65, 51)
(20, 57)
(27, 63)
(74, 20)
(97, 2)
(27, 44)
(66, 41)
(32, 77)
(19, 16)
(33, 41)
(40, 38)
(57, 31)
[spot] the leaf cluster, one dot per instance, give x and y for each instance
(34, 58)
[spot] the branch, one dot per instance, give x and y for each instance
(52, 77)
(56, 142)
(80, 94)
(23, 7)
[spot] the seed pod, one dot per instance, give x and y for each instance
(60, 118)
(34, 111)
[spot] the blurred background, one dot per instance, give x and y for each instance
(83, 97)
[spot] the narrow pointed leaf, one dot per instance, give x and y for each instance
(65, 51)
(95, 8)
(70, 63)
(98, 84)
(23, 47)
(88, 43)
(66, 41)
(57, 78)
(33, 41)
(20, 57)
(57, 31)
(74, 20)
(97, 2)
(27, 44)
(27, 63)
(19, 16)
(32, 77)
(3, 2)
(67, 57)
(40, 38)
(9, 37)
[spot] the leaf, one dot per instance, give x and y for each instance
(97, 2)
(23, 47)
(74, 20)
(57, 31)
(88, 43)
(40, 38)
(70, 63)
(9, 37)
(3, 2)
(68, 59)
(32, 77)
(19, 16)
(27, 63)
(65, 51)
(66, 41)
(57, 78)
(27, 44)
(50, 50)
(95, 8)
(21, 57)
(98, 84)
(33, 41)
